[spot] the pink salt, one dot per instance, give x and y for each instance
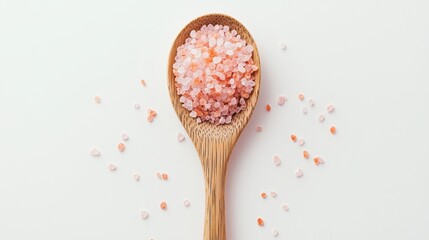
(214, 74)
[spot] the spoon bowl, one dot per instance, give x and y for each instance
(214, 143)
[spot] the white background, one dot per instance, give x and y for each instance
(370, 58)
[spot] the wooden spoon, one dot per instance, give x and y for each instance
(214, 143)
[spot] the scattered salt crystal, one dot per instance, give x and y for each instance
(285, 207)
(301, 96)
(151, 114)
(97, 99)
(180, 137)
(301, 142)
(281, 100)
(144, 214)
(318, 160)
(304, 110)
(124, 136)
(299, 172)
(330, 108)
(259, 128)
(94, 152)
(321, 118)
(112, 167)
(275, 232)
(282, 45)
(121, 147)
(143, 83)
(136, 106)
(273, 194)
(136, 177)
(276, 160)
(186, 202)
(163, 205)
(164, 176)
(311, 102)
(158, 175)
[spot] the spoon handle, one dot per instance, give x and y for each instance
(214, 155)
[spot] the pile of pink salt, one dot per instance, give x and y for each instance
(214, 74)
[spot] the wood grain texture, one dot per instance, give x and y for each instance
(214, 143)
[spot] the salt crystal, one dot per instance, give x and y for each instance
(282, 45)
(301, 142)
(304, 110)
(276, 160)
(94, 152)
(158, 175)
(275, 232)
(97, 99)
(144, 214)
(330, 108)
(285, 207)
(301, 96)
(311, 102)
(136, 177)
(124, 136)
(281, 100)
(321, 118)
(273, 194)
(299, 172)
(112, 167)
(186, 202)
(180, 137)
(217, 60)
(259, 128)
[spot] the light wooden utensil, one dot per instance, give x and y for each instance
(214, 143)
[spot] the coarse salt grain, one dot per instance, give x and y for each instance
(281, 100)
(165, 176)
(285, 207)
(94, 152)
(143, 83)
(112, 167)
(305, 154)
(263, 195)
(293, 138)
(186, 202)
(276, 160)
(304, 110)
(159, 175)
(301, 142)
(259, 129)
(121, 147)
(333, 130)
(330, 108)
(260, 222)
(151, 114)
(144, 214)
(136, 177)
(273, 194)
(318, 160)
(97, 99)
(311, 102)
(268, 107)
(180, 137)
(301, 97)
(124, 136)
(321, 118)
(275, 232)
(282, 45)
(214, 73)
(136, 106)
(163, 205)
(299, 172)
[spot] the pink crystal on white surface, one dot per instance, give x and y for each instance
(214, 73)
